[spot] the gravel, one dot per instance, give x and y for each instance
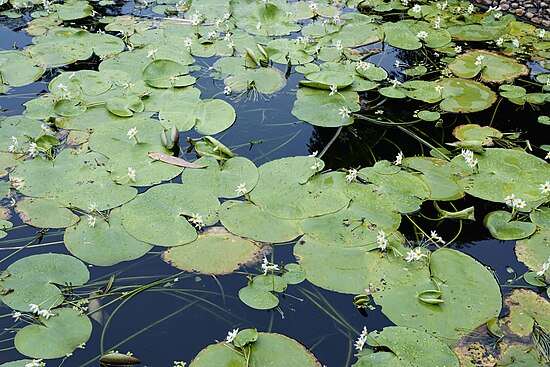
(533, 11)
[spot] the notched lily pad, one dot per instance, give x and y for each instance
(491, 66)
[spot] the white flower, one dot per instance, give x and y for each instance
(16, 315)
(500, 41)
(398, 158)
(259, 25)
(313, 154)
(151, 53)
(470, 9)
(417, 8)
(439, 88)
(132, 132)
(212, 35)
(313, 7)
(303, 40)
(12, 148)
(360, 342)
(422, 34)
(231, 45)
(46, 314)
(547, 156)
(227, 90)
(344, 112)
(405, 2)
(479, 60)
(316, 166)
(510, 200)
(381, 240)
(14, 140)
(472, 163)
(352, 175)
(362, 65)
(35, 363)
(188, 42)
(34, 307)
(226, 16)
(545, 266)
(436, 238)
(398, 64)
(415, 254)
(520, 204)
(241, 189)
(267, 266)
(45, 128)
(467, 154)
(545, 187)
(515, 42)
(542, 32)
(338, 45)
(33, 149)
(497, 15)
(333, 90)
(131, 174)
(218, 22)
(91, 220)
(231, 335)
(458, 49)
(437, 23)
(395, 83)
(93, 208)
(195, 218)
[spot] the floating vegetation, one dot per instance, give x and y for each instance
(99, 157)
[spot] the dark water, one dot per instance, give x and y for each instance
(175, 321)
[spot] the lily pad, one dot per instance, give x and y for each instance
(410, 347)
(474, 132)
(526, 308)
(269, 350)
(492, 67)
(104, 244)
(58, 336)
(502, 227)
(209, 116)
(33, 279)
(216, 253)
(17, 69)
(160, 215)
(248, 220)
(45, 213)
(534, 251)
(162, 73)
(321, 109)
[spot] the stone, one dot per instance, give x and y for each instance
(529, 15)
(504, 7)
(520, 12)
(514, 5)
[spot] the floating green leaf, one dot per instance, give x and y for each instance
(493, 67)
(45, 213)
(502, 227)
(33, 280)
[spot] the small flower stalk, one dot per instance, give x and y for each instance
(132, 134)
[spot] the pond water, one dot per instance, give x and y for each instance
(346, 100)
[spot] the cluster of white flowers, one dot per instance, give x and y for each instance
(268, 266)
(344, 112)
(131, 174)
(437, 23)
(35, 363)
(469, 157)
(352, 175)
(35, 309)
(303, 40)
(316, 166)
(441, 6)
(544, 268)
(197, 18)
(231, 335)
(381, 240)
(241, 189)
(515, 203)
(398, 159)
(434, 237)
(415, 254)
(361, 65)
(479, 60)
(360, 342)
(196, 220)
